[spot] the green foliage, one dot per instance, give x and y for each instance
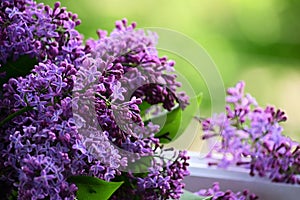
(169, 131)
(92, 188)
(15, 114)
(13, 195)
(141, 165)
(190, 112)
(20, 67)
(177, 120)
(143, 108)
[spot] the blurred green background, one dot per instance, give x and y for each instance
(257, 41)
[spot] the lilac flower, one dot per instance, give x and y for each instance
(252, 136)
(117, 91)
(218, 194)
(59, 84)
(44, 178)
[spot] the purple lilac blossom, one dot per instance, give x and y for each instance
(132, 53)
(44, 140)
(163, 181)
(251, 136)
(42, 145)
(118, 60)
(125, 70)
(217, 194)
(29, 28)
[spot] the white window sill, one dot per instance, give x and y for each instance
(236, 179)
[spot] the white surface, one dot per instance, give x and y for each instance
(236, 179)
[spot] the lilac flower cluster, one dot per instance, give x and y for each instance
(132, 53)
(167, 184)
(218, 194)
(43, 142)
(130, 72)
(251, 136)
(163, 181)
(36, 30)
(37, 131)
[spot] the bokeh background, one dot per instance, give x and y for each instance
(256, 41)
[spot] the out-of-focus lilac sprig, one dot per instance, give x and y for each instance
(251, 136)
(217, 194)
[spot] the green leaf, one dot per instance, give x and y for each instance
(143, 107)
(169, 131)
(13, 195)
(15, 114)
(141, 165)
(199, 99)
(174, 123)
(92, 188)
(13, 69)
(177, 120)
(190, 112)
(187, 195)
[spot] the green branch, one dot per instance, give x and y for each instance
(15, 114)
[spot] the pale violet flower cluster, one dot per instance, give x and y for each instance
(216, 193)
(252, 137)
